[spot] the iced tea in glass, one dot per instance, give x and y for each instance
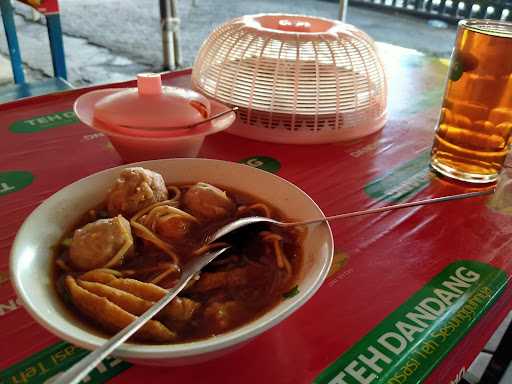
(475, 123)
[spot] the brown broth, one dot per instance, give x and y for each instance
(265, 287)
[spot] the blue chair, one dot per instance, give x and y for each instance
(21, 88)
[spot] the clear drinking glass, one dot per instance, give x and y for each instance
(475, 123)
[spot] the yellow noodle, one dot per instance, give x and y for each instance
(270, 236)
(176, 190)
(165, 212)
(146, 234)
(156, 211)
(128, 272)
(156, 268)
(122, 251)
(62, 265)
(278, 253)
(281, 259)
(288, 267)
(208, 247)
(256, 207)
(262, 207)
(149, 208)
(99, 276)
(105, 270)
(149, 217)
(162, 275)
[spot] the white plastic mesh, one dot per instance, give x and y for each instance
(303, 82)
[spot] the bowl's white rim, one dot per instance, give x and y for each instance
(193, 348)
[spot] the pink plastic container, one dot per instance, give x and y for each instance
(152, 121)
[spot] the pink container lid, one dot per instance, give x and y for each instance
(152, 106)
(152, 121)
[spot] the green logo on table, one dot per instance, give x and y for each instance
(402, 182)
(49, 362)
(41, 123)
(14, 181)
(268, 164)
(406, 346)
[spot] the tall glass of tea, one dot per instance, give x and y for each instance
(475, 123)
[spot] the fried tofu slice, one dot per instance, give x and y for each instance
(113, 317)
(146, 291)
(213, 280)
(180, 309)
(98, 276)
(130, 303)
(139, 295)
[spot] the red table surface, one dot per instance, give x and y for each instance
(390, 255)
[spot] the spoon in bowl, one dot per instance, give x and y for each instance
(228, 228)
(193, 125)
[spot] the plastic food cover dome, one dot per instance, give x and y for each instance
(296, 79)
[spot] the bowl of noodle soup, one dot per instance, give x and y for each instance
(266, 276)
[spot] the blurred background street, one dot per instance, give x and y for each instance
(107, 41)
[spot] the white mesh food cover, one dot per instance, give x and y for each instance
(296, 79)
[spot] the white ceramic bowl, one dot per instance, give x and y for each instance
(31, 254)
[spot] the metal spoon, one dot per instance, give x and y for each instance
(78, 371)
(185, 127)
(228, 228)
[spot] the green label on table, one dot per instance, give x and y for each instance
(40, 367)
(41, 123)
(14, 181)
(406, 346)
(263, 162)
(402, 182)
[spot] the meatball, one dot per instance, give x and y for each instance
(208, 202)
(103, 243)
(135, 189)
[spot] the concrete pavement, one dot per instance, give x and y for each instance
(113, 40)
(5, 71)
